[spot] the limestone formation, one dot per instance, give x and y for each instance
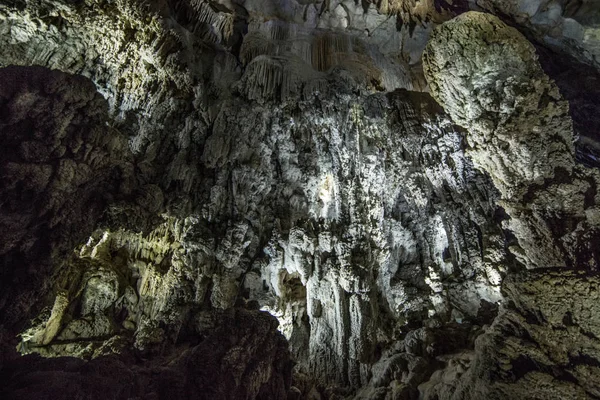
(316, 268)
(60, 164)
(569, 25)
(249, 200)
(253, 362)
(542, 345)
(486, 76)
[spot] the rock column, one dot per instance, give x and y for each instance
(486, 76)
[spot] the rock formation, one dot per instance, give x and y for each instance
(262, 199)
(60, 165)
(486, 76)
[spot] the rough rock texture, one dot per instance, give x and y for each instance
(347, 271)
(269, 158)
(63, 166)
(241, 355)
(543, 345)
(579, 84)
(572, 26)
(60, 165)
(486, 76)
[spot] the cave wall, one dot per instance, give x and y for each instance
(61, 165)
(268, 155)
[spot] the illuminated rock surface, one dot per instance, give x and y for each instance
(198, 165)
(486, 76)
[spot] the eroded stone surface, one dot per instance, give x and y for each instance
(486, 76)
(572, 26)
(332, 244)
(273, 167)
(241, 355)
(60, 166)
(542, 345)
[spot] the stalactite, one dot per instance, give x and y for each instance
(262, 158)
(264, 76)
(221, 22)
(255, 44)
(417, 10)
(328, 49)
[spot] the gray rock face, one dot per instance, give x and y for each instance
(543, 345)
(267, 155)
(332, 244)
(568, 25)
(487, 77)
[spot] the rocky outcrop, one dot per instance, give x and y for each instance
(546, 340)
(579, 84)
(568, 26)
(543, 342)
(63, 167)
(351, 250)
(60, 165)
(240, 356)
(266, 155)
(486, 76)
(543, 345)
